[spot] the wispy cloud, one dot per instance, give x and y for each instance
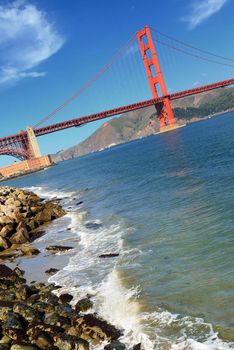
(196, 83)
(27, 38)
(201, 10)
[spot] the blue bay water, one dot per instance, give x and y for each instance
(165, 204)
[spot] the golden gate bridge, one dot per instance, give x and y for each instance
(24, 145)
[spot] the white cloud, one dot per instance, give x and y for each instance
(27, 38)
(202, 10)
(196, 83)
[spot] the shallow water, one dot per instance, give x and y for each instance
(165, 204)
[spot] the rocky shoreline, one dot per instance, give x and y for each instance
(37, 316)
(22, 217)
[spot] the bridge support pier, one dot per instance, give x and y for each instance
(33, 147)
(165, 113)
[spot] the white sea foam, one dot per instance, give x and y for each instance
(50, 193)
(86, 274)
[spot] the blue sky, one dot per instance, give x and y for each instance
(49, 48)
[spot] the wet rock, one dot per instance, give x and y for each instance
(65, 298)
(21, 235)
(4, 243)
(41, 307)
(57, 320)
(66, 342)
(65, 311)
(137, 347)
(51, 271)
(48, 297)
(5, 271)
(43, 340)
(58, 249)
(110, 255)
(115, 345)
(83, 305)
(13, 321)
(10, 256)
(14, 328)
(41, 334)
(27, 312)
(4, 312)
(94, 329)
(9, 296)
(93, 225)
(18, 272)
(29, 251)
(16, 334)
(23, 292)
(7, 230)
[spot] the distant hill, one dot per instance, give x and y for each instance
(143, 122)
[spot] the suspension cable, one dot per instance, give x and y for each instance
(120, 53)
(191, 46)
(192, 54)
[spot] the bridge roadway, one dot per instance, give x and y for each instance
(109, 113)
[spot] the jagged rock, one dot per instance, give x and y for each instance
(65, 310)
(4, 311)
(4, 243)
(137, 347)
(23, 292)
(110, 255)
(115, 345)
(41, 306)
(21, 236)
(83, 305)
(94, 329)
(58, 249)
(65, 298)
(5, 271)
(51, 271)
(43, 340)
(67, 342)
(13, 320)
(7, 230)
(21, 213)
(57, 320)
(48, 297)
(41, 334)
(93, 225)
(29, 251)
(27, 312)
(18, 272)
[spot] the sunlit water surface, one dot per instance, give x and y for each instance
(165, 204)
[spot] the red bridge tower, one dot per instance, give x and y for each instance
(166, 117)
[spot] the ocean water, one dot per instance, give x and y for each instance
(165, 205)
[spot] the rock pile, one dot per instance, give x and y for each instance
(21, 214)
(33, 317)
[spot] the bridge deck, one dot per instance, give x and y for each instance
(115, 111)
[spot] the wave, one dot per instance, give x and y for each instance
(88, 274)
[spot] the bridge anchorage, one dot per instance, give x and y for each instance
(24, 145)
